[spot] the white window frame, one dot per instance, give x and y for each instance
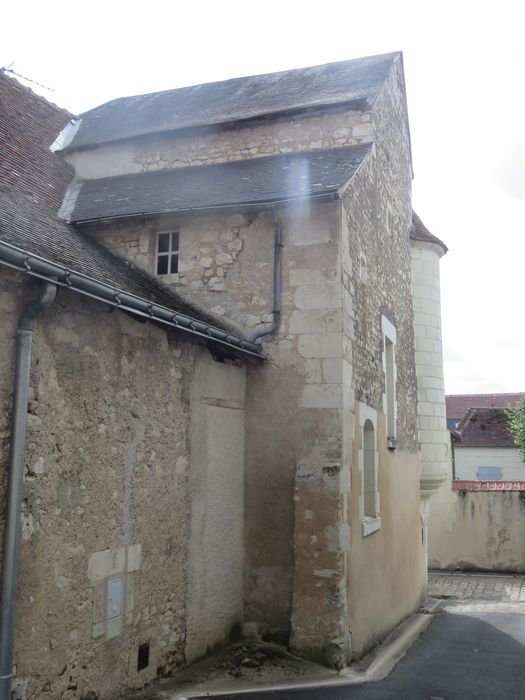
(369, 523)
(390, 376)
(168, 277)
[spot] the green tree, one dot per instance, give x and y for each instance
(516, 416)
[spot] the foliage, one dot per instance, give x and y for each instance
(516, 416)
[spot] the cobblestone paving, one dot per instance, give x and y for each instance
(482, 588)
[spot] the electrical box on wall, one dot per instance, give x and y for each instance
(114, 606)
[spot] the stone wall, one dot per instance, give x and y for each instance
(432, 434)
(329, 129)
(377, 293)
(216, 483)
(294, 405)
(477, 530)
(107, 505)
(346, 277)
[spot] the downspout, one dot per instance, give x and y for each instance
(24, 337)
(277, 265)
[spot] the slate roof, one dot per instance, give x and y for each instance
(459, 404)
(420, 232)
(32, 183)
(242, 184)
(485, 427)
(239, 99)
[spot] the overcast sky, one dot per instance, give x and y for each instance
(465, 74)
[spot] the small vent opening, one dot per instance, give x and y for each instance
(143, 656)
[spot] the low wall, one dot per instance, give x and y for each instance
(478, 525)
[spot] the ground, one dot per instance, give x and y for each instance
(472, 650)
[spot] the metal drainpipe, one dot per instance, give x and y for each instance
(24, 337)
(277, 264)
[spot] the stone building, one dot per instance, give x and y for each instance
(256, 456)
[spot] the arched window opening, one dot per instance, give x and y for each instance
(369, 469)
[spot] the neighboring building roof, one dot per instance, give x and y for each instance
(419, 232)
(319, 174)
(485, 427)
(32, 183)
(459, 404)
(358, 80)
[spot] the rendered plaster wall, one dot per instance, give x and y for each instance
(471, 531)
(216, 484)
(386, 567)
(106, 498)
(385, 578)
(329, 129)
(468, 460)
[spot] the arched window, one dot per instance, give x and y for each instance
(369, 469)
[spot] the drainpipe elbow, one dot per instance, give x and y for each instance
(33, 309)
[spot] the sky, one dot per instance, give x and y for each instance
(465, 75)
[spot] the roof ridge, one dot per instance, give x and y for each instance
(393, 54)
(17, 80)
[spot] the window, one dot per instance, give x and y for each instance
(489, 473)
(369, 499)
(369, 469)
(167, 253)
(390, 373)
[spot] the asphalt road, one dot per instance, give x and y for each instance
(462, 656)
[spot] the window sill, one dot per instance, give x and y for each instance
(169, 279)
(370, 525)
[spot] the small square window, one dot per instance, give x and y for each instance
(490, 473)
(167, 253)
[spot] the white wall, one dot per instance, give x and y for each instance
(469, 459)
(433, 435)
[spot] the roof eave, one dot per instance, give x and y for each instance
(359, 104)
(320, 198)
(41, 268)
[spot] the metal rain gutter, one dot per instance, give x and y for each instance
(33, 265)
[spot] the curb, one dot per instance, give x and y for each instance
(387, 656)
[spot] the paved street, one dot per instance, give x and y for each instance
(473, 650)
(491, 587)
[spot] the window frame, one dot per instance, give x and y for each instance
(169, 254)
(389, 350)
(369, 523)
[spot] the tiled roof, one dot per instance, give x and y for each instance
(234, 100)
(244, 183)
(459, 404)
(32, 184)
(485, 427)
(420, 232)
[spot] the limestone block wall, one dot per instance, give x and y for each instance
(432, 431)
(293, 435)
(107, 501)
(468, 460)
(329, 129)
